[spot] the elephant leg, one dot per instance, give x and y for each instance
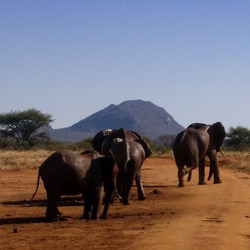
(181, 173)
(87, 205)
(96, 202)
(52, 212)
(108, 199)
(217, 179)
(58, 213)
(215, 168)
(140, 189)
(211, 172)
(95, 212)
(87, 209)
(127, 185)
(105, 210)
(202, 172)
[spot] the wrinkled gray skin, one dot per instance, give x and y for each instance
(129, 150)
(68, 173)
(193, 144)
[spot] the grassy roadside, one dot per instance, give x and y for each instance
(12, 160)
(235, 160)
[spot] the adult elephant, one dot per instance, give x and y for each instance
(129, 150)
(68, 173)
(193, 144)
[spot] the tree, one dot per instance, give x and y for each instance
(24, 125)
(167, 140)
(238, 138)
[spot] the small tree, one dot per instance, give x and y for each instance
(167, 140)
(238, 138)
(24, 126)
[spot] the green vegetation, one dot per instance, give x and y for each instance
(23, 129)
(238, 139)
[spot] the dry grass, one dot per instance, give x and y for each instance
(12, 160)
(236, 160)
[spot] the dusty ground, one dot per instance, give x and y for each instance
(193, 217)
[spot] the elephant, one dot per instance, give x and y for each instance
(193, 144)
(129, 150)
(68, 173)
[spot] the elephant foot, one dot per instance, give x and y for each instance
(202, 183)
(125, 202)
(56, 218)
(53, 217)
(103, 217)
(217, 181)
(181, 184)
(58, 213)
(142, 197)
(50, 219)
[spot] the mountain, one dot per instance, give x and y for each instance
(143, 117)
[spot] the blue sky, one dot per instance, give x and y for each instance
(73, 58)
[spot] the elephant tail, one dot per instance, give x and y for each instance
(37, 185)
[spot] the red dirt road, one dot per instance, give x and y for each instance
(194, 217)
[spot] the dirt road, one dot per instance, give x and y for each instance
(194, 217)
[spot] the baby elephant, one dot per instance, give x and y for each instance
(68, 173)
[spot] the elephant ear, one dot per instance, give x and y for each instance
(100, 137)
(217, 131)
(145, 146)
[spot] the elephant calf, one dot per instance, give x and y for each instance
(68, 173)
